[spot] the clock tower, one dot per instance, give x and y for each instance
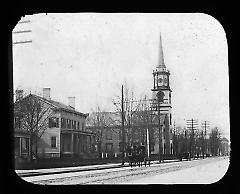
(161, 85)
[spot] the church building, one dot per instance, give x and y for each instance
(162, 103)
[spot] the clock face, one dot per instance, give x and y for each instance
(160, 81)
(165, 81)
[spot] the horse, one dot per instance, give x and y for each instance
(137, 156)
(185, 155)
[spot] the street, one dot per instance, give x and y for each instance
(203, 171)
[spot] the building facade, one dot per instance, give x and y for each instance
(224, 147)
(109, 134)
(63, 134)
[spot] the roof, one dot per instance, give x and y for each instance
(110, 118)
(115, 118)
(57, 105)
(224, 139)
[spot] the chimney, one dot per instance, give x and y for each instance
(46, 93)
(19, 94)
(71, 102)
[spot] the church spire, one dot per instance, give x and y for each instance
(161, 63)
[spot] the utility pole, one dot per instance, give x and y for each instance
(123, 131)
(148, 137)
(148, 148)
(159, 133)
(192, 125)
(205, 125)
(174, 140)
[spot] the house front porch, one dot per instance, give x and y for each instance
(76, 144)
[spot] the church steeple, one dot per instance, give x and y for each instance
(161, 63)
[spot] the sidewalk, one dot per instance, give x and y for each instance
(38, 172)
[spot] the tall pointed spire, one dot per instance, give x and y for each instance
(161, 63)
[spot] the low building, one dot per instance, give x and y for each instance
(63, 135)
(224, 147)
(109, 133)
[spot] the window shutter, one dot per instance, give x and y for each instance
(62, 123)
(49, 122)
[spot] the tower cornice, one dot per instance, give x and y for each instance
(161, 72)
(166, 88)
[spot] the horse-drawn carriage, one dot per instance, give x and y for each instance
(184, 155)
(136, 156)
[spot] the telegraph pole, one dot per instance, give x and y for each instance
(159, 132)
(205, 125)
(146, 117)
(174, 139)
(123, 131)
(192, 125)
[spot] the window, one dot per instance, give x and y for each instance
(120, 135)
(25, 145)
(53, 122)
(78, 125)
(151, 147)
(71, 124)
(74, 124)
(120, 147)
(68, 123)
(63, 123)
(53, 142)
(109, 134)
(17, 122)
(170, 119)
(82, 126)
(109, 147)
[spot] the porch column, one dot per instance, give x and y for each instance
(20, 146)
(81, 149)
(90, 143)
(28, 147)
(77, 145)
(72, 142)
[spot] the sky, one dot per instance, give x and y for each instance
(90, 55)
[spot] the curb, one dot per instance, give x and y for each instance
(28, 174)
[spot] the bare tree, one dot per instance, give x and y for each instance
(201, 142)
(131, 106)
(32, 114)
(144, 118)
(178, 137)
(214, 141)
(100, 121)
